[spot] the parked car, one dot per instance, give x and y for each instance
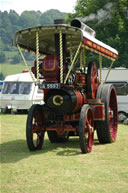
(119, 78)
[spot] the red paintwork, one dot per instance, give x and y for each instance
(101, 49)
(80, 100)
(80, 79)
(94, 80)
(113, 114)
(61, 129)
(98, 111)
(50, 68)
(89, 130)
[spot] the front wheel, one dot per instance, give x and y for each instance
(34, 125)
(86, 129)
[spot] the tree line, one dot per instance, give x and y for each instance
(109, 18)
(12, 22)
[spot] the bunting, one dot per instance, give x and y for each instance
(97, 52)
(90, 45)
(31, 52)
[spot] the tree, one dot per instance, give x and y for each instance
(5, 27)
(12, 22)
(14, 17)
(2, 76)
(2, 57)
(29, 19)
(15, 59)
(110, 21)
(49, 16)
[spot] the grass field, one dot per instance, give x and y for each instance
(61, 168)
(8, 69)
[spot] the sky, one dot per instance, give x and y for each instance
(37, 5)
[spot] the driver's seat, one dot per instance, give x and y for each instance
(50, 68)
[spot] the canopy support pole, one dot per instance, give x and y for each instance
(61, 57)
(74, 59)
(26, 63)
(109, 71)
(37, 56)
(81, 58)
(100, 65)
(70, 52)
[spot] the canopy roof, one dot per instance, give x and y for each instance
(26, 39)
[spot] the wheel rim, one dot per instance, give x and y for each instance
(86, 129)
(121, 116)
(92, 82)
(107, 131)
(89, 130)
(37, 122)
(113, 114)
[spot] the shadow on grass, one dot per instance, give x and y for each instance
(13, 151)
(17, 150)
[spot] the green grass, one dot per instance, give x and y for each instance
(8, 69)
(61, 168)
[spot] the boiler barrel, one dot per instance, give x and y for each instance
(64, 101)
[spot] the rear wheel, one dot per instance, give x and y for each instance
(34, 131)
(107, 131)
(86, 129)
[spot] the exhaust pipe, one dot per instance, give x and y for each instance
(84, 27)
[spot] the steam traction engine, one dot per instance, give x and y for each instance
(76, 103)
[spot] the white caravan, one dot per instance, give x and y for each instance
(119, 78)
(19, 93)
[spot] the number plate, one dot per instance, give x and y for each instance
(49, 86)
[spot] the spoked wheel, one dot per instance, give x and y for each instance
(86, 129)
(107, 131)
(34, 131)
(92, 80)
(55, 138)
